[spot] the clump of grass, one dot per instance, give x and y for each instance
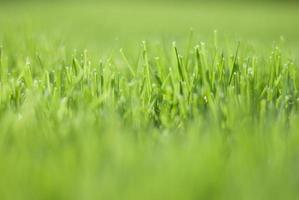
(201, 122)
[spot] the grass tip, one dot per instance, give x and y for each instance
(174, 44)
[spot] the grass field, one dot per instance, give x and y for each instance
(136, 100)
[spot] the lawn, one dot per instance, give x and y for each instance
(149, 100)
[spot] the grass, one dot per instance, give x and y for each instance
(84, 115)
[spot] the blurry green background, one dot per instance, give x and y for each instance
(98, 24)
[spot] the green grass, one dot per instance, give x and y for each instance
(98, 102)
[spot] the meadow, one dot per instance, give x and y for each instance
(149, 100)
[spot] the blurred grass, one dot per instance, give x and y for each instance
(56, 147)
(97, 24)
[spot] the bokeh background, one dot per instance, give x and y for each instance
(100, 24)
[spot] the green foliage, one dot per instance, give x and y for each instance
(209, 118)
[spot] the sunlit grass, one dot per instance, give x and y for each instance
(213, 115)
